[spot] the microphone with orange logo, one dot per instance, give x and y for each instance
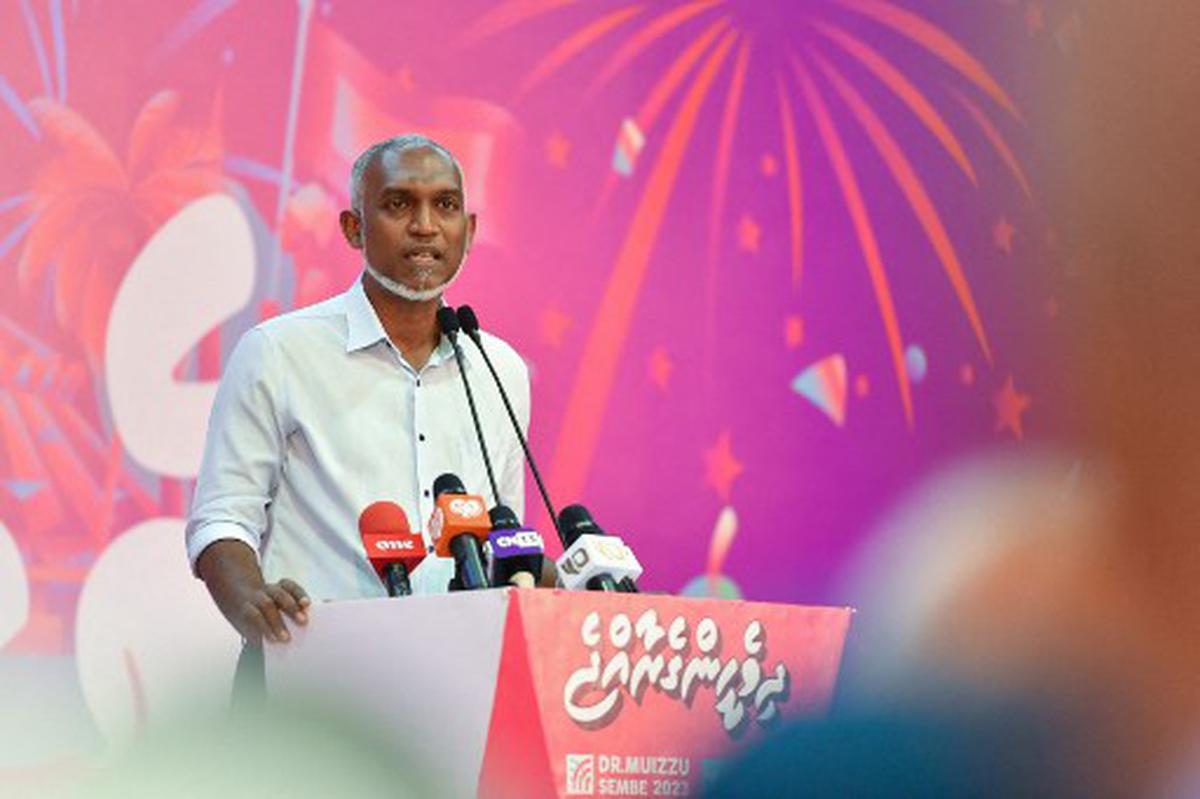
(393, 549)
(459, 527)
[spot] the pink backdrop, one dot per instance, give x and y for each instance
(770, 263)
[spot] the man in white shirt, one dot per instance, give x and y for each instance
(356, 399)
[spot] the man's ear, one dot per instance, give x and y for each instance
(472, 223)
(351, 228)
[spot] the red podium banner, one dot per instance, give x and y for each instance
(641, 695)
(546, 693)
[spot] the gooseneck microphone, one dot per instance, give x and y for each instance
(592, 559)
(448, 322)
(469, 323)
(515, 553)
(460, 525)
(392, 548)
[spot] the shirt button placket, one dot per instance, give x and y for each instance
(418, 422)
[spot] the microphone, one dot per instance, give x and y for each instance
(576, 520)
(515, 551)
(448, 322)
(469, 323)
(459, 526)
(593, 559)
(393, 549)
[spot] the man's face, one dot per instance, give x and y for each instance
(413, 227)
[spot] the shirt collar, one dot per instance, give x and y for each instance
(444, 352)
(363, 327)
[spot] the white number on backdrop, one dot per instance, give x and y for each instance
(149, 644)
(196, 272)
(14, 588)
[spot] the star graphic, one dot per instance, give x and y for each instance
(404, 79)
(768, 165)
(1035, 20)
(554, 324)
(1002, 235)
(793, 331)
(660, 367)
(558, 150)
(748, 233)
(721, 467)
(1010, 404)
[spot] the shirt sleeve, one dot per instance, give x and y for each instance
(512, 476)
(244, 450)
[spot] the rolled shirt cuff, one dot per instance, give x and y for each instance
(211, 532)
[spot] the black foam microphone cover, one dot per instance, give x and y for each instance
(468, 321)
(574, 521)
(447, 320)
(503, 518)
(448, 483)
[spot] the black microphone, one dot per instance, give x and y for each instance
(469, 323)
(459, 526)
(576, 521)
(448, 322)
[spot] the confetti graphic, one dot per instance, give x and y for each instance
(629, 146)
(916, 363)
(824, 385)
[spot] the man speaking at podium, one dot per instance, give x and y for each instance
(326, 409)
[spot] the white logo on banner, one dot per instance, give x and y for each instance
(743, 688)
(581, 775)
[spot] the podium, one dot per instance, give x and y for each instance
(549, 693)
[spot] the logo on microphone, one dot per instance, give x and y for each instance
(468, 508)
(581, 774)
(396, 544)
(611, 549)
(523, 538)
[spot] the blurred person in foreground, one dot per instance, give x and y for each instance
(312, 752)
(1032, 626)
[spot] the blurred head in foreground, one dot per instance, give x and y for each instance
(1060, 594)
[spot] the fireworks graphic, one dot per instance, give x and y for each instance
(814, 58)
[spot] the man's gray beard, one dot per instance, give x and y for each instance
(409, 293)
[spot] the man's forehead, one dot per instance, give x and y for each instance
(420, 165)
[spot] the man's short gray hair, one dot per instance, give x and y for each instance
(407, 141)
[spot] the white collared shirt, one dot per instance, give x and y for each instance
(318, 415)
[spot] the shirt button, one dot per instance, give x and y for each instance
(427, 492)
(421, 437)
(418, 382)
